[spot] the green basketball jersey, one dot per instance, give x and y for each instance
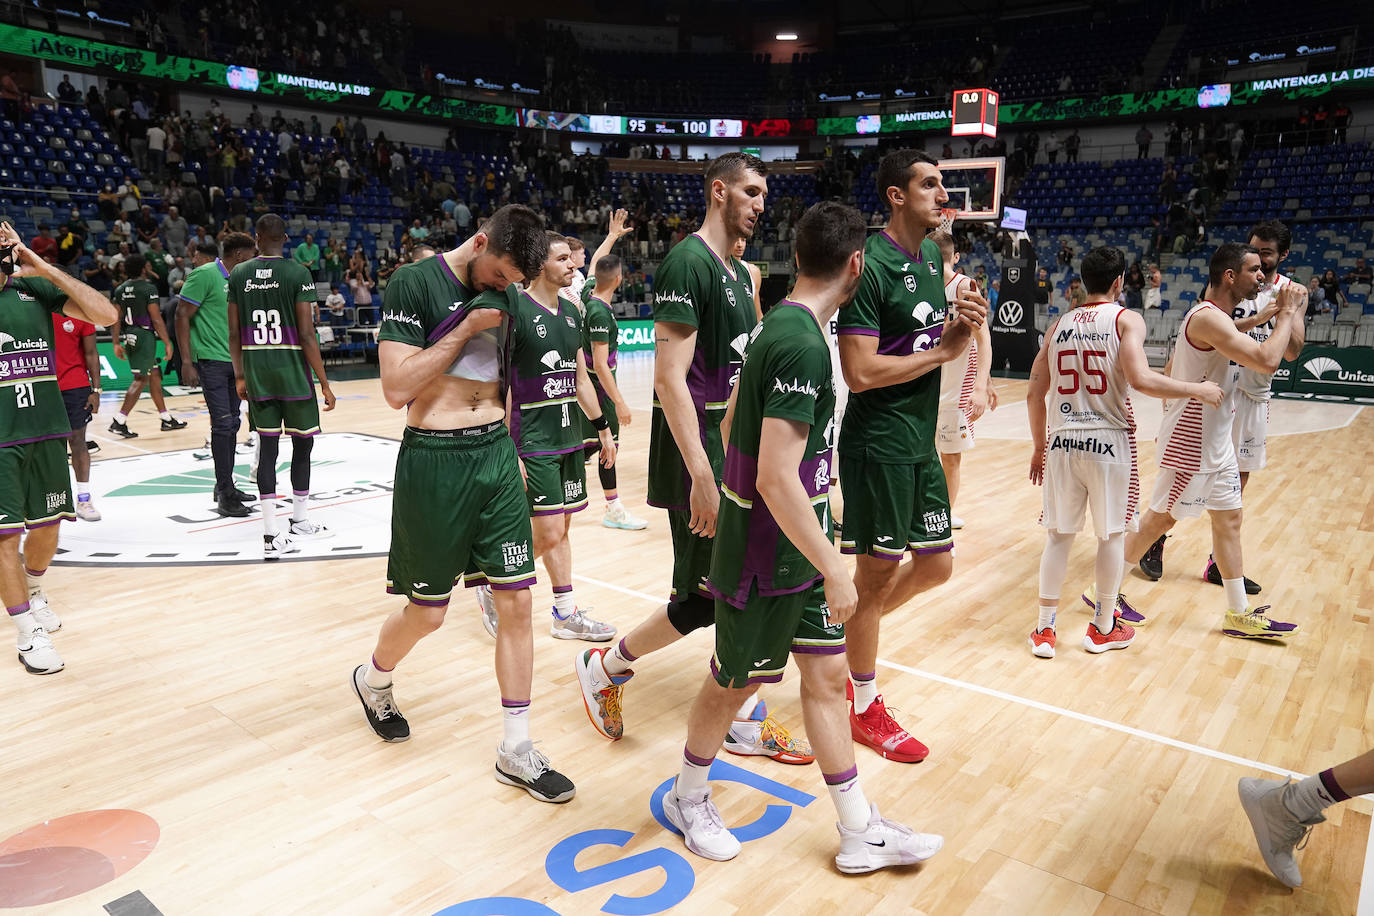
(31, 405)
(599, 326)
(901, 302)
(425, 300)
(207, 288)
(132, 298)
(542, 365)
(787, 374)
(265, 291)
(696, 288)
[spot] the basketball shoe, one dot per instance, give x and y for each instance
(601, 692)
(578, 625)
(702, 828)
(307, 530)
(86, 511)
(956, 522)
(617, 516)
(36, 653)
(488, 606)
(1097, 642)
(1210, 573)
(203, 453)
(122, 429)
(172, 423)
(43, 613)
(1278, 831)
(1256, 625)
(751, 738)
(274, 547)
(380, 708)
(1042, 643)
(883, 843)
(1124, 611)
(528, 769)
(875, 728)
(1152, 564)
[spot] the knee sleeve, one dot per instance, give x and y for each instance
(691, 613)
(267, 464)
(301, 447)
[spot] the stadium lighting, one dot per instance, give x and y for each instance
(786, 36)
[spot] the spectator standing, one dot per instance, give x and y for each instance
(333, 262)
(175, 231)
(307, 254)
(66, 92)
(157, 148)
(44, 245)
(1071, 144)
(360, 286)
(1142, 142)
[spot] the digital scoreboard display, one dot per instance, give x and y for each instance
(974, 113)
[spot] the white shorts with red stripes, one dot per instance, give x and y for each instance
(1096, 470)
(953, 431)
(1185, 494)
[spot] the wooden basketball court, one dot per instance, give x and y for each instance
(215, 701)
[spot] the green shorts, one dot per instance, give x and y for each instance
(752, 643)
(691, 557)
(892, 508)
(274, 416)
(458, 512)
(556, 484)
(35, 488)
(140, 349)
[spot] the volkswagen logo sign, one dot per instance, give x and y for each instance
(1010, 313)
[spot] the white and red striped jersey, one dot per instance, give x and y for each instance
(958, 375)
(1088, 388)
(1251, 382)
(1193, 436)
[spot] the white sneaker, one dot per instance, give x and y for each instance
(43, 613)
(956, 522)
(86, 511)
(528, 769)
(702, 829)
(1277, 830)
(309, 531)
(274, 547)
(37, 654)
(488, 606)
(617, 516)
(578, 625)
(203, 453)
(883, 843)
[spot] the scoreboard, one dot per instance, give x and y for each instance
(974, 113)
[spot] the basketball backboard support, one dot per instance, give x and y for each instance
(975, 186)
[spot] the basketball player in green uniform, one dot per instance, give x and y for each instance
(459, 507)
(273, 347)
(548, 380)
(136, 331)
(35, 492)
(780, 585)
(893, 341)
(703, 312)
(600, 341)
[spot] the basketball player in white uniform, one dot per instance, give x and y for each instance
(1089, 357)
(966, 390)
(1197, 459)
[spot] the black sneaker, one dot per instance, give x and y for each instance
(92, 445)
(1152, 564)
(528, 769)
(120, 429)
(1213, 575)
(173, 423)
(231, 508)
(381, 710)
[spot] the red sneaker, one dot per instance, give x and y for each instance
(875, 728)
(1097, 642)
(1042, 642)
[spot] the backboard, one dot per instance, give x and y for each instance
(975, 186)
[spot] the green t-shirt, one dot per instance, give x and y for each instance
(901, 301)
(599, 326)
(207, 288)
(307, 255)
(265, 291)
(133, 298)
(787, 374)
(695, 287)
(31, 405)
(542, 360)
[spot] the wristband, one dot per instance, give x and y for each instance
(601, 423)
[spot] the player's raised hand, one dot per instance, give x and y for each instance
(971, 306)
(1289, 298)
(23, 255)
(479, 320)
(620, 223)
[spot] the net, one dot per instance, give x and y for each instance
(947, 217)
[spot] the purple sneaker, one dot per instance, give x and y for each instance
(1127, 614)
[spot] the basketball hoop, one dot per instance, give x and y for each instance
(947, 217)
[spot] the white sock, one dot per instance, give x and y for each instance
(1306, 798)
(23, 620)
(83, 490)
(865, 690)
(269, 517)
(377, 678)
(691, 782)
(515, 723)
(612, 502)
(746, 708)
(165, 414)
(300, 500)
(563, 604)
(617, 661)
(1049, 608)
(1110, 567)
(1235, 594)
(848, 796)
(35, 581)
(120, 416)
